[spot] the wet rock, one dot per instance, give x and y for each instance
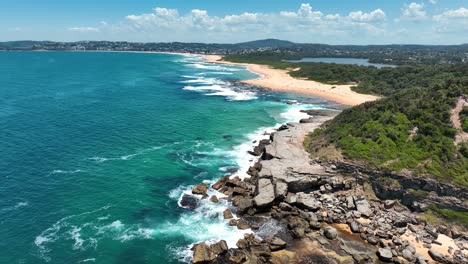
(262, 250)
(330, 232)
(214, 199)
(219, 248)
(260, 148)
(385, 254)
(220, 183)
(266, 194)
(189, 201)
(277, 244)
(227, 214)
(202, 254)
(242, 224)
(237, 257)
(242, 243)
(200, 189)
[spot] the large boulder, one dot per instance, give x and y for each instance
(363, 207)
(219, 248)
(436, 255)
(220, 183)
(385, 254)
(202, 253)
(243, 204)
(265, 194)
(330, 232)
(200, 189)
(276, 243)
(227, 214)
(189, 201)
(308, 201)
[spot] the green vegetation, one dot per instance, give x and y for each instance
(409, 129)
(460, 217)
(464, 119)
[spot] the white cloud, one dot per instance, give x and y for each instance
(374, 16)
(461, 13)
(305, 20)
(305, 24)
(84, 29)
(414, 12)
(433, 2)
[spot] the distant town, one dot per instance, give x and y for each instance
(388, 54)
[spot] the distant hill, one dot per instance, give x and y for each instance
(267, 43)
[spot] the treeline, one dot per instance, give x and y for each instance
(371, 80)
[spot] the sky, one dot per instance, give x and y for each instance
(233, 21)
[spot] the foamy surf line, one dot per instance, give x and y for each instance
(208, 216)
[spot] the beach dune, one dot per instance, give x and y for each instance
(280, 80)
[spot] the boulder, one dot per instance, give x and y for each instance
(350, 203)
(220, 183)
(281, 190)
(265, 194)
(219, 248)
(227, 214)
(385, 254)
(330, 232)
(354, 227)
(436, 255)
(189, 201)
(214, 199)
(308, 201)
(242, 224)
(243, 204)
(200, 189)
(202, 253)
(363, 207)
(276, 244)
(408, 255)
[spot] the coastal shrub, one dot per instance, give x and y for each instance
(408, 130)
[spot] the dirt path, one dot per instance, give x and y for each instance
(456, 121)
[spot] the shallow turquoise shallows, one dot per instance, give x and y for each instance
(97, 148)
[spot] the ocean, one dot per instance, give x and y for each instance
(97, 149)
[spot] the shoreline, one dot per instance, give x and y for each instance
(280, 80)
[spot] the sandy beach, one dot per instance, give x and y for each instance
(280, 80)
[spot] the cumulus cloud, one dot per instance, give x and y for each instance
(374, 16)
(302, 21)
(433, 2)
(461, 14)
(414, 11)
(84, 29)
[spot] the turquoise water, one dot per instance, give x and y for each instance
(97, 148)
(354, 61)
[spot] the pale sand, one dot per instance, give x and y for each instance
(280, 80)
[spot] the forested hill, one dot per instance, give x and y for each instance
(408, 131)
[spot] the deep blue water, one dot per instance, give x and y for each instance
(97, 148)
(354, 61)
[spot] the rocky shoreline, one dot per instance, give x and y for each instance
(307, 211)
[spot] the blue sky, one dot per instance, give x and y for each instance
(227, 21)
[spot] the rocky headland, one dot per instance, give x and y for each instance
(301, 210)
